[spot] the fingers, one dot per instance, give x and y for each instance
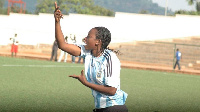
(56, 5)
(77, 76)
(82, 72)
(57, 13)
(74, 76)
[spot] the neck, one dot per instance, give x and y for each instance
(97, 53)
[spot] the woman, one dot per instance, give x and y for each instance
(102, 67)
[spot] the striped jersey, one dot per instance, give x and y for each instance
(14, 41)
(104, 70)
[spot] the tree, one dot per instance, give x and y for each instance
(143, 12)
(191, 2)
(186, 12)
(2, 10)
(2, 3)
(73, 6)
(132, 6)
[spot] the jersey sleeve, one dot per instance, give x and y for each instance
(84, 52)
(112, 71)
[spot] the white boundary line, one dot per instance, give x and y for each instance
(48, 66)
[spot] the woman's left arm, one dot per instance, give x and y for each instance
(100, 88)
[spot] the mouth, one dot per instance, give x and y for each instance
(85, 43)
(86, 46)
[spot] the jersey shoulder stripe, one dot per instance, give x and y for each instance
(107, 55)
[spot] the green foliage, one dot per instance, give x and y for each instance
(191, 2)
(45, 6)
(2, 3)
(132, 6)
(107, 6)
(187, 12)
(73, 6)
(198, 6)
(143, 12)
(2, 10)
(15, 8)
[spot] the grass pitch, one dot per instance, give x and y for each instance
(35, 85)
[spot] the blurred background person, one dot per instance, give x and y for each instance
(73, 41)
(63, 53)
(82, 57)
(79, 59)
(14, 46)
(178, 58)
(54, 51)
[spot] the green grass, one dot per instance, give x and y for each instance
(35, 85)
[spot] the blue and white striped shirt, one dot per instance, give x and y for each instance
(104, 70)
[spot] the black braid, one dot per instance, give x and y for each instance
(105, 36)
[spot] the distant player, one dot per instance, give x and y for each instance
(14, 46)
(102, 67)
(178, 58)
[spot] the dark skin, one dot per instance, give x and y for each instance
(92, 44)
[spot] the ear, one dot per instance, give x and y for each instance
(97, 42)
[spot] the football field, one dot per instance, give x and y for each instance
(28, 85)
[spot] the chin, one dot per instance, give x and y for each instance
(86, 47)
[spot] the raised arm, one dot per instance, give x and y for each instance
(70, 48)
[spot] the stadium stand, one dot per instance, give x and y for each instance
(148, 55)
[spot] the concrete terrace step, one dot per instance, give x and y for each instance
(124, 64)
(157, 61)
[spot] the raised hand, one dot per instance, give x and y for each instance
(57, 13)
(81, 78)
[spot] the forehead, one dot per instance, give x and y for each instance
(92, 32)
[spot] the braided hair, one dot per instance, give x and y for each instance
(105, 36)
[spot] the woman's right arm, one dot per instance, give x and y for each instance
(69, 48)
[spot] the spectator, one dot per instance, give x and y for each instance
(178, 58)
(73, 40)
(54, 51)
(14, 47)
(63, 53)
(80, 57)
